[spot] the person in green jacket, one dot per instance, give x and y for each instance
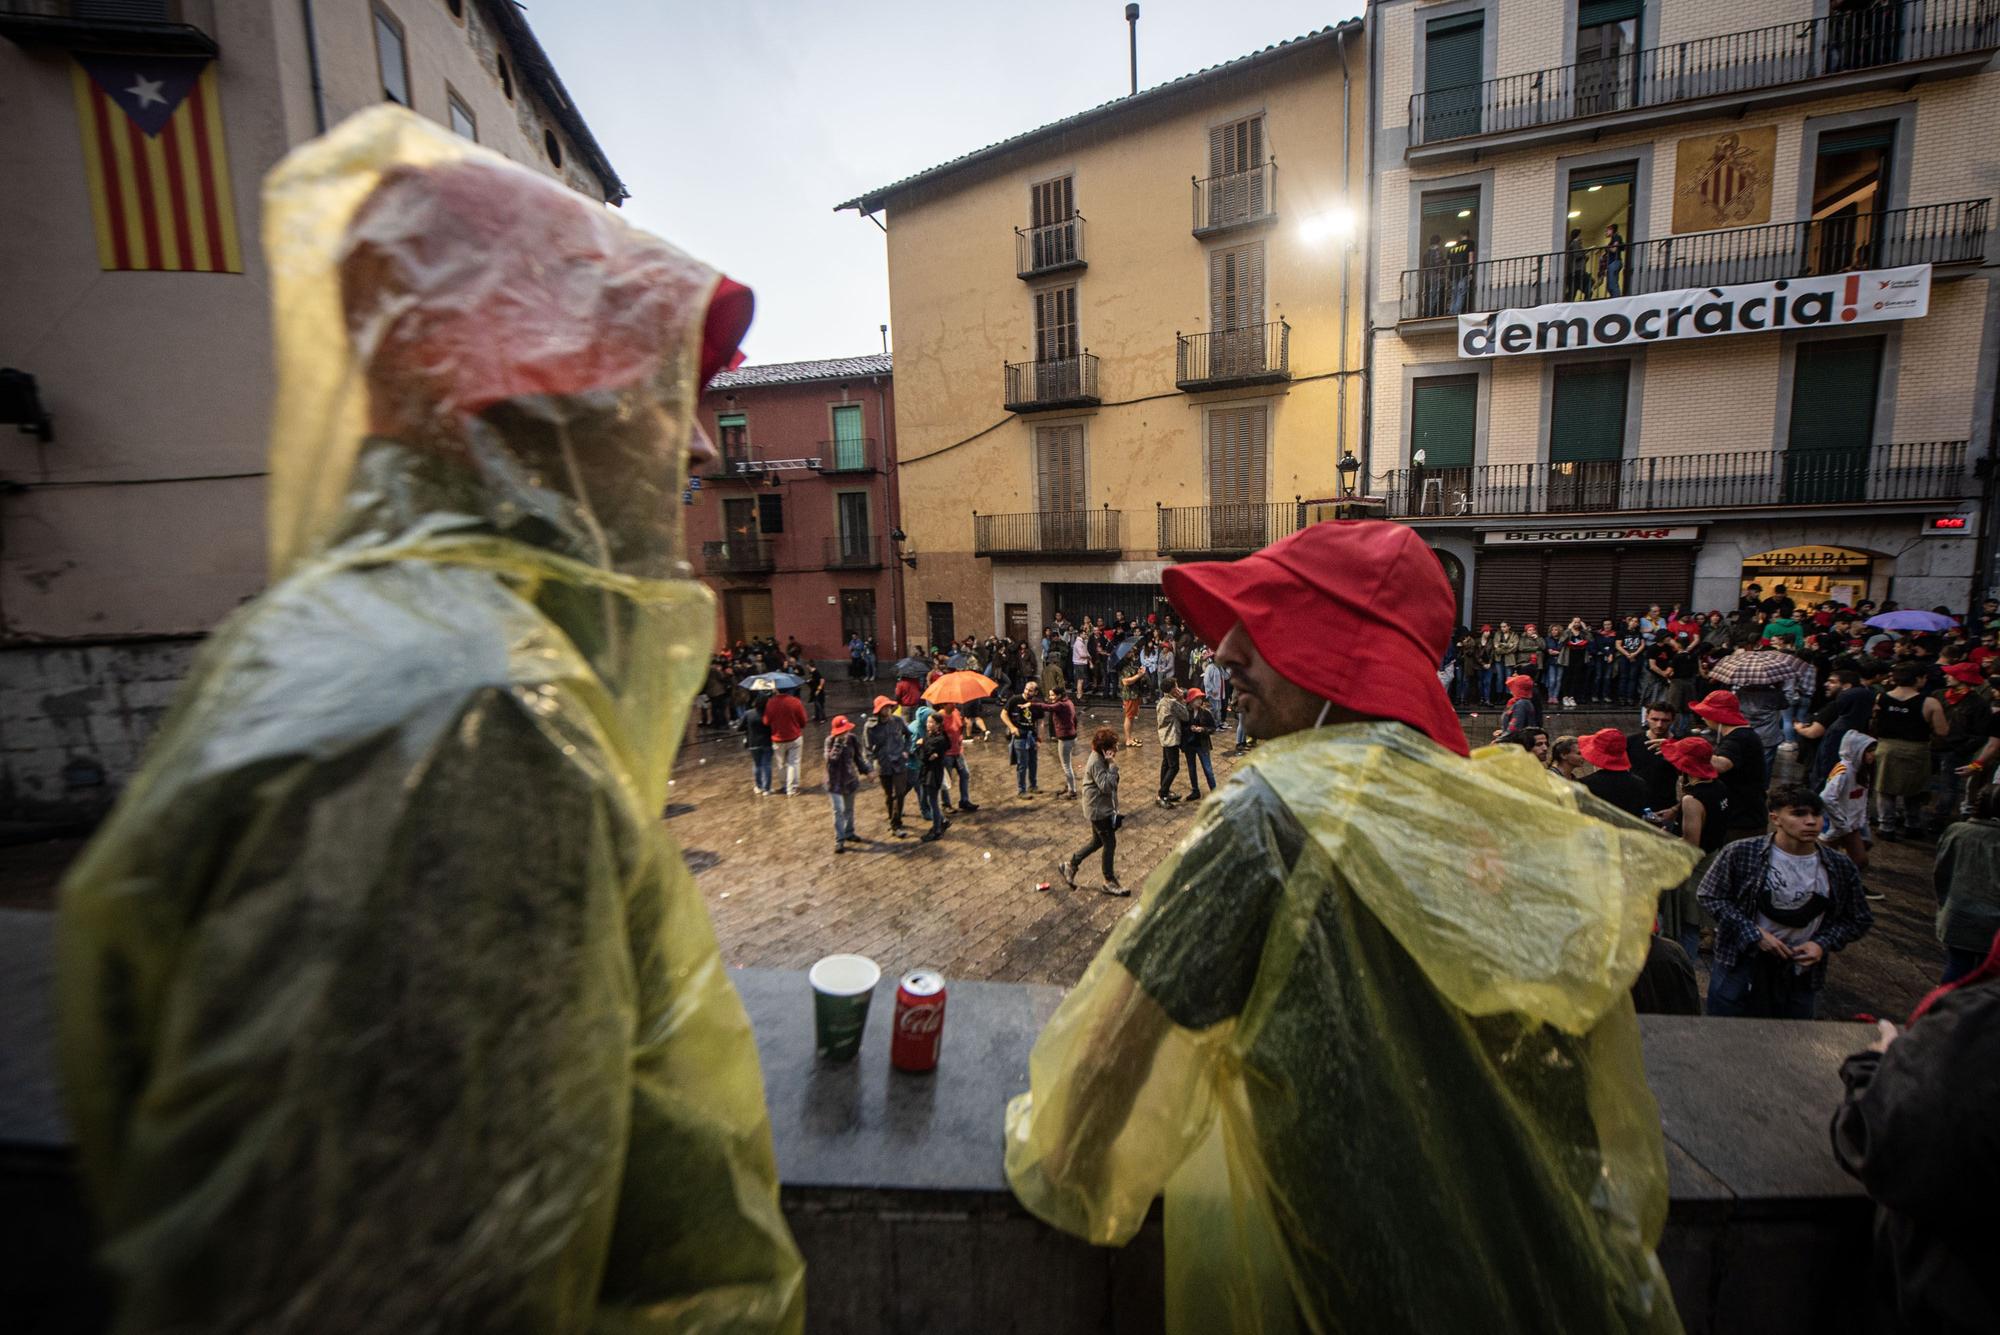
(1967, 876)
(386, 1004)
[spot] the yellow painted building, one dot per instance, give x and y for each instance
(1118, 339)
(1733, 148)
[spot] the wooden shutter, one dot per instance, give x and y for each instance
(1587, 418)
(1443, 419)
(1236, 287)
(852, 516)
(1055, 323)
(1051, 202)
(1059, 468)
(1509, 589)
(1236, 147)
(1238, 456)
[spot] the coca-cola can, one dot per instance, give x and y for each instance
(919, 1022)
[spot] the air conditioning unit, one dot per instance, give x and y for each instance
(1349, 507)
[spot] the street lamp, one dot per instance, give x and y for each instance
(1348, 467)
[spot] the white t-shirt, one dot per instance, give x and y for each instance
(1795, 879)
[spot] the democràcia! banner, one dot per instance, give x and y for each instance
(1830, 300)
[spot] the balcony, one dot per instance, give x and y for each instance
(1228, 358)
(150, 27)
(857, 455)
(740, 556)
(1938, 234)
(854, 551)
(1050, 534)
(1925, 471)
(1226, 530)
(1236, 199)
(1879, 47)
(1056, 382)
(1054, 248)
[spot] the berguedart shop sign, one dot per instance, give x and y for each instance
(1700, 312)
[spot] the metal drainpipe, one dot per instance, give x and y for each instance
(1347, 243)
(312, 66)
(1368, 268)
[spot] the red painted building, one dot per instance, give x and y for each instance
(791, 528)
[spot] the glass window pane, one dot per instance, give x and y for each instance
(462, 122)
(389, 55)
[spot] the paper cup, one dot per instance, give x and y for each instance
(842, 987)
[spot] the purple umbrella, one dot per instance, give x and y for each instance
(1911, 619)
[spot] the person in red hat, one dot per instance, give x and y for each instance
(1195, 743)
(845, 764)
(1700, 816)
(1738, 757)
(887, 739)
(1612, 779)
(1967, 712)
(1522, 714)
(1304, 966)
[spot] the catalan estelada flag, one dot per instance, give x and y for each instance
(152, 149)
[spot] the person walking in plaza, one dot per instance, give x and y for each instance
(1905, 723)
(845, 764)
(1738, 757)
(954, 723)
(757, 740)
(785, 716)
(1021, 717)
(1196, 735)
(933, 761)
(1700, 816)
(1317, 959)
(815, 689)
(1613, 780)
(1100, 808)
(1171, 716)
(889, 745)
(1521, 713)
(1967, 876)
(1845, 794)
(1131, 681)
(1532, 658)
(1782, 903)
(1967, 712)
(1062, 727)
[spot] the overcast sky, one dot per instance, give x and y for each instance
(738, 126)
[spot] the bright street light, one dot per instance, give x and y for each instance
(1333, 225)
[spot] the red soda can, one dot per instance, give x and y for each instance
(919, 1022)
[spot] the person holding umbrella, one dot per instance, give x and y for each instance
(948, 693)
(757, 740)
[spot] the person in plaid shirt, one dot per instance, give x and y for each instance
(1782, 902)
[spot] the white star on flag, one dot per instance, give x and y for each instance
(147, 91)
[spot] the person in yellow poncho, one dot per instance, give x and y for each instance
(385, 1003)
(1369, 1025)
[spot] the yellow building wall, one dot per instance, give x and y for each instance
(960, 312)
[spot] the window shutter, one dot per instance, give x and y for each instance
(1055, 323)
(1582, 583)
(771, 513)
(1590, 13)
(1237, 456)
(1509, 589)
(1059, 468)
(1443, 416)
(1663, 575)
(1588, 414)
(848, 450)
(1454, 55)
(1833, 394)
(1862, 136)
(1236, 287)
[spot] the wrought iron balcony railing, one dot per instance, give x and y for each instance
(177, 27)
(854, 551)
(1927, 234)
(1050, 248)
(1236, 199)
(1708, 67)
(740, 556)
(1057, 382)
(1049, 533)
(854, 455)
(1922, 471)
(1226, 530)
(1256, 354)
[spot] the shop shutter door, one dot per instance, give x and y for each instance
(1582, 584)
(1509, 588)
(1663, 575)
(1442, 416)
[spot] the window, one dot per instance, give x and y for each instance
(739, 521)
(391, 58)
(552, 146)
(1607, 54)
(1238, 445)
(1444, 412)
(1834, 385)
(771, 513)
(506, 76)
(1454, 56)
(850, 451)
(1598, 232)
(852, 523)
(857, 615)
(938, 617)
(1052, 235)
(461, 117)
(1236, 187)
(732, 438)
(1237, 345)
(1055, 323)
(457, 8)
(1449, 233)
(1587, 435)
(1850, 191)
(1059, 488)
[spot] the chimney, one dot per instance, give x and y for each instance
(1132, 23)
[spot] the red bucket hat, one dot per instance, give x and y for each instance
(840, 726)
(1721, 707)
(1964, 672)
(882, 702)
(1690, 755)
(1605, 749)
(1356, 611)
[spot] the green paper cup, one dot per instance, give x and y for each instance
(842, 986)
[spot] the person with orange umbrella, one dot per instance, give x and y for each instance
(949, 692)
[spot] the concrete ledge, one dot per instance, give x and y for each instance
(894, 1187)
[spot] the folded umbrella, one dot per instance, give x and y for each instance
(1911, 619)
(957, 688)
(772, 681)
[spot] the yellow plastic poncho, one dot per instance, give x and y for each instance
(386, 1004)
(1369, 1028)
